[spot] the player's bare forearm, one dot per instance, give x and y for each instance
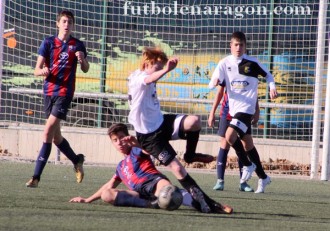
(97, 195)
(217, 99)
(41, 69)
(84, 65)
(210, 120)
(215, 105)
(154, 77)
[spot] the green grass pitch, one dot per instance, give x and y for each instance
(288, 204)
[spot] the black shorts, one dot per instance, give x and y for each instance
(223, 125)
(157, 143)
(241, 122)
(58, 106)
(148, 188)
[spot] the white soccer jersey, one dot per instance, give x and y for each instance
(240, 76)
(145, 114)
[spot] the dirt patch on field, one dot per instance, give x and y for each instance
(277, 166)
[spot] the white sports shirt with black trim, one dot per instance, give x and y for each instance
(240, 76)
(145, 114)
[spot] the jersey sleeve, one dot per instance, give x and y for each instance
(269, 77)
(116, 176)
(222, 74)
(215, 77)
(81, 47)
(44, 49)
(137, 78)
(137, 152)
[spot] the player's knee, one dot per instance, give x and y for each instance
(247, 142)
(224, 144)
(177, 168)
(192, 123)
(231, 138)
(57, 140)
(108, 196)
(47, 135)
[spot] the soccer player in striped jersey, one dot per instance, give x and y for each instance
(57, 63)
(154, 130)
(239, 73)
(137, 171)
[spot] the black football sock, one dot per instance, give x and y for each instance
(254, 157)
(66, 149)
(238, 146)
(191, 145)
(189, 183)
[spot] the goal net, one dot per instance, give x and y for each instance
(282, 34)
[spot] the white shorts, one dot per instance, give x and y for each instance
(176, 127)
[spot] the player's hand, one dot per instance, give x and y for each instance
(44, 71)
(172, 63)
(131, 141)
(273, 94)
(210, 121)
(255, 119)
(78, 200)
(80, 56)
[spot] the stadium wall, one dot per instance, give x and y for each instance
(23, 143)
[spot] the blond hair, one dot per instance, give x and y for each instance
(151, 55)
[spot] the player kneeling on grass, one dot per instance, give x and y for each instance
(138, 173)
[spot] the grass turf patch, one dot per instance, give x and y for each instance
(288, 204)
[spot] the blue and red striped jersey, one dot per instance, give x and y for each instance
(62, 62)
(224, 108)
(135, 169)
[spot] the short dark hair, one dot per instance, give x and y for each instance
(238, 35)
(66, 13)
(116, 128)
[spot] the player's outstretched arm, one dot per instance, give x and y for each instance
(170, 65)
(97, 195)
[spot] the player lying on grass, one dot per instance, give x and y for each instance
(138, 173)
